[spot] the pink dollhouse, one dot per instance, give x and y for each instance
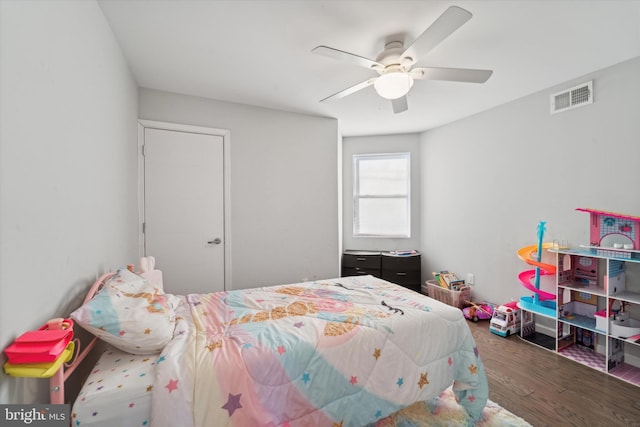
(618, 233)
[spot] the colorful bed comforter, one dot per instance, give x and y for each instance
(340, 352)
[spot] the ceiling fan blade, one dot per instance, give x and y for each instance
(346, 56)
(399, 104)
(350, 90)
(452, 19)
(451, 74)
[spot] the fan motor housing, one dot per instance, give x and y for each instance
(391, 56)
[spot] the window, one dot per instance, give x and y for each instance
(381, 196)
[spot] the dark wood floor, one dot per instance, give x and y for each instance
(547, 389)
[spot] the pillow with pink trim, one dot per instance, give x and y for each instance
(130, 313)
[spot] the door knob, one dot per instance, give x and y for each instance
(215, 241)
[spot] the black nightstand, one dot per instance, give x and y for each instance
(361, 263)
(405, 270)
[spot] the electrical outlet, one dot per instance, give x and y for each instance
(471, 278)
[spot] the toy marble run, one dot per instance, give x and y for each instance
(541, 301)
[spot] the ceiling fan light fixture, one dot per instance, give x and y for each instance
(393, 85)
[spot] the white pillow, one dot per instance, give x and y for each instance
(130, 314)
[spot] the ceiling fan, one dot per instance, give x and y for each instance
(394, 64)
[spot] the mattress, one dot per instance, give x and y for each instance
(117, 392)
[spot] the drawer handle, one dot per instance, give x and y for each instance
(401, 273)
(361, 259)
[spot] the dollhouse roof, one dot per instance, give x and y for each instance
(612, 214)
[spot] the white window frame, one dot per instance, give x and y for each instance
(357, 196)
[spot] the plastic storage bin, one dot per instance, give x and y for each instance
(454, 298)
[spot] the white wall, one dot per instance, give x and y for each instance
(284, 186)
(489, 179)
(67, 166)
(409, 143)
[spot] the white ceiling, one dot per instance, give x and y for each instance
(258, 52)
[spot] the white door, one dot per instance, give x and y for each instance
(184, 209)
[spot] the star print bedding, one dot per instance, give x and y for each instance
(117, 392)
(340, 352)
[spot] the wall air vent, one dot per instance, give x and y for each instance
(577, 96)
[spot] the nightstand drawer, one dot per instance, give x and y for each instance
(400, 263)
(361, 260)
(350, 271)
(404, 278)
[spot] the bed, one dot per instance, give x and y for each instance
(343, 352)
